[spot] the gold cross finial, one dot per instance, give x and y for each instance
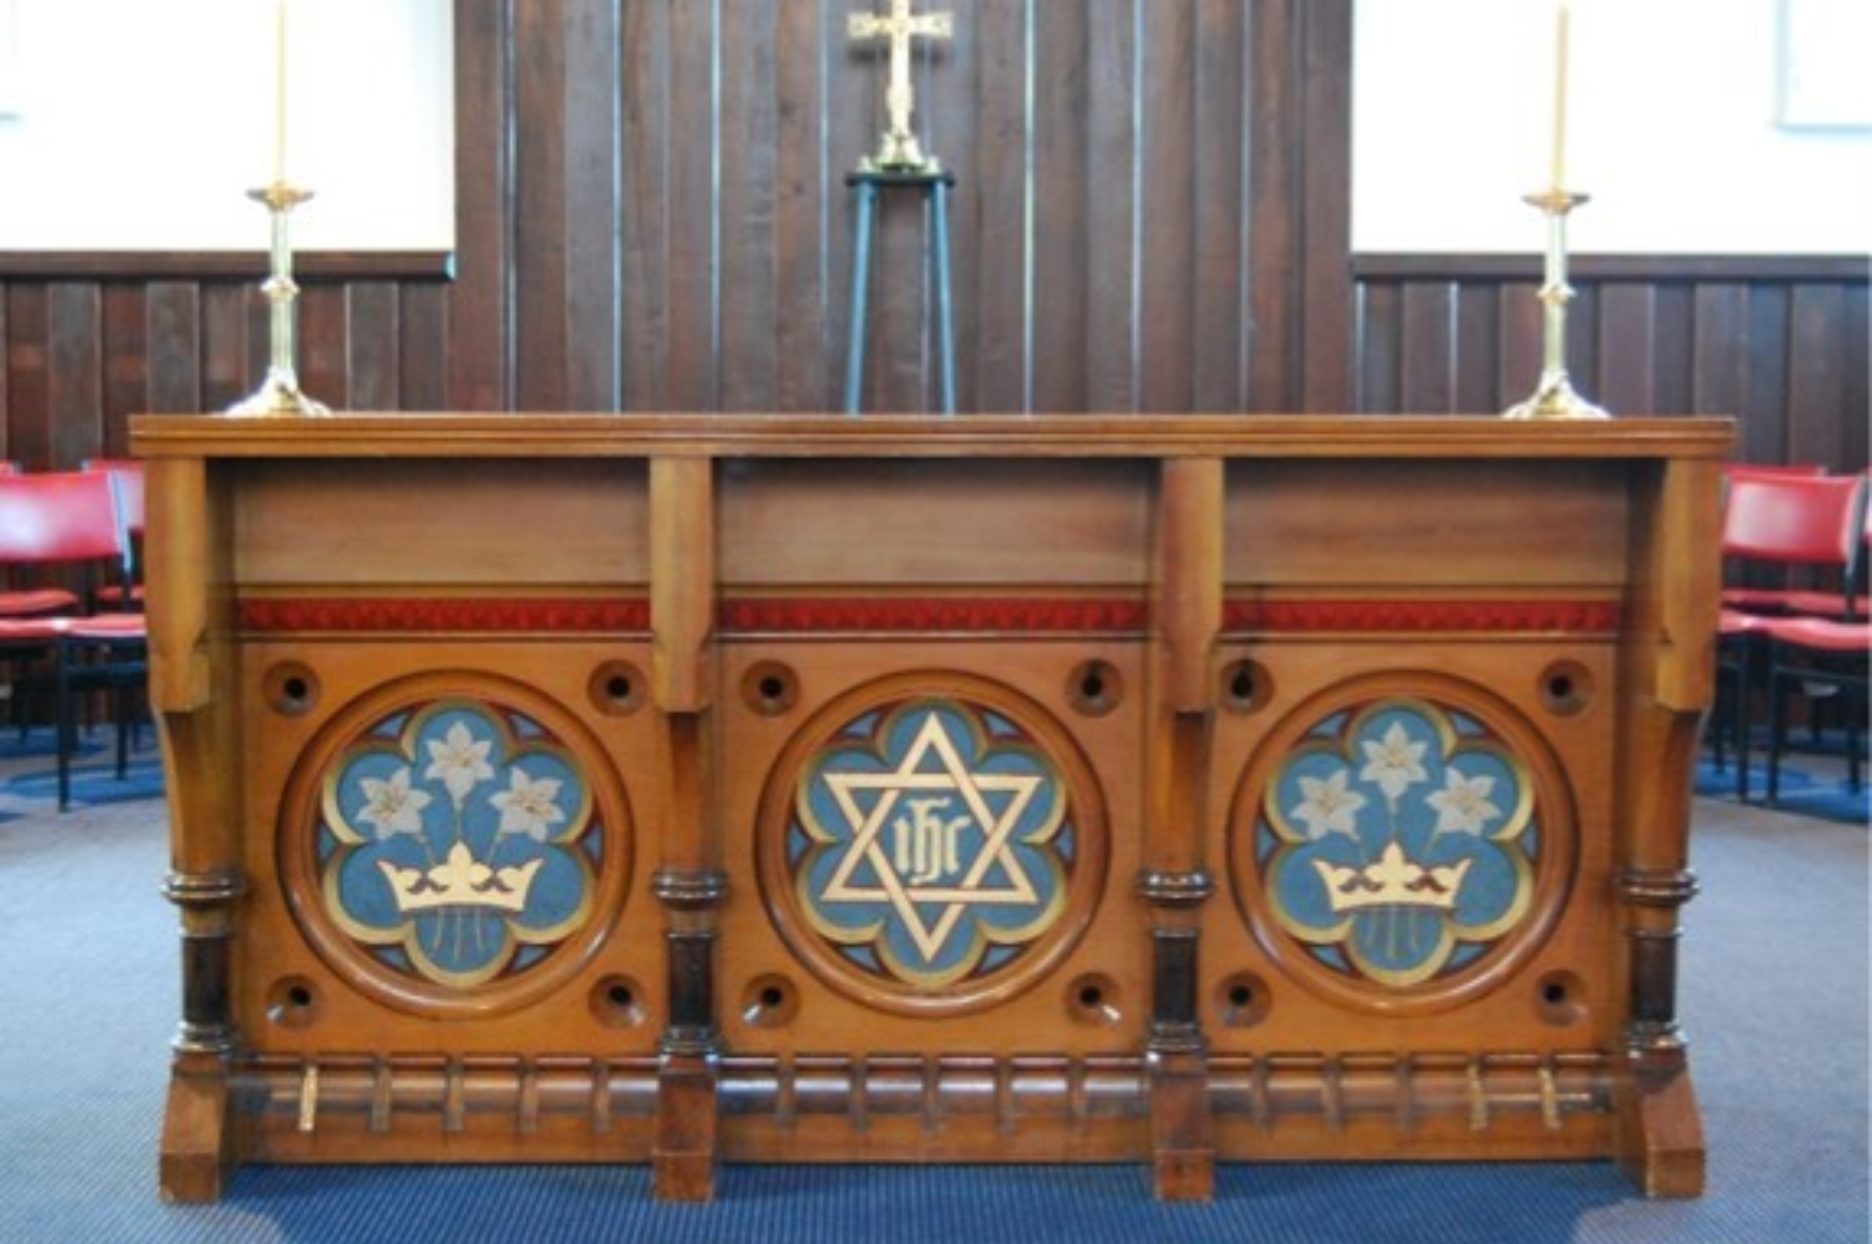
(899, 150)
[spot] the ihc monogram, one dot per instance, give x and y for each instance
(924, 844)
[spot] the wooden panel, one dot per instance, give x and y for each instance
(1026, 525)
(1322, 524)
(594, 516)
(29, 434)
(372, 340)
(75, 371)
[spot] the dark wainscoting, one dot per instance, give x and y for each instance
(1780, 342)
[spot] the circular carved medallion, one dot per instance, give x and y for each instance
(1402, 844)
(454, 845)
(931, 844)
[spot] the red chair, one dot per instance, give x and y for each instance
(71, 517)
(127, 476)
(1783, 520)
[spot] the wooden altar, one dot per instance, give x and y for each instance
(1170, 790)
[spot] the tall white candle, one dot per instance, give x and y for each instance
(279, 92)
(1560, 98)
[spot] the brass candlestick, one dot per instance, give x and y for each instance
(1554, 397)
(279, 394)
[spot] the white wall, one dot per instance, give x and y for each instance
(140, 124)
(1672, 129)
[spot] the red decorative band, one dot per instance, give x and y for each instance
(794, 615)
(512, 616)
(1573, 617)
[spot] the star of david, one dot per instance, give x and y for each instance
(973, 789)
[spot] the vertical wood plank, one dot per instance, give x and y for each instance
(996, 215)
(591, 102)
(175, 350)
(29, 435)
(1816, 382)
(1719, 349)
(853, 120)
(643, 114)
(541, 297)
(694, 351)
(1275, 140)
(126, 362)
(1327, 227)
(1764, 432)
(1627, 376)
(1427, 367)
(1168, 168)
(480, 308)
(1478, 350)
(1672, 347)
(805, 192)
(324, 343)
(422, 346)
(1855, 366)
(373, 361)
(749, 149)
(954, 113)
(75, 380)
(1221, 111)
(1112, 211)
(5, 366)
(1381, 368)
(1520, 342)
(1062, 201)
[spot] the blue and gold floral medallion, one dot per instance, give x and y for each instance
(932, 851)
(458, 845)
(1399, 844)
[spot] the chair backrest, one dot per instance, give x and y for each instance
(1763, 470)
(128, 472)
(58, 516)
(1791, 519)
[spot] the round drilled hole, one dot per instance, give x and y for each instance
(617, 1002)
(1560, 999)
(770, 688)
(290, 689)
(1094, 1000)
(1245, 686)
(1243, 1000)
(616, 688)
(769, 1002)
(293, 1003)
(1566, 688)
(1095, 688)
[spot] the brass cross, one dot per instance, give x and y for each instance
(899, 150)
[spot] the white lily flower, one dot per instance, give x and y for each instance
(460, 760)
(1329, 807)
(1463, 806)
(1394, 762)
(393, 807)
(528, 806)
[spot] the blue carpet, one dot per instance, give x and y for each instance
(1809, 786)
(92, 783)
(1780, 1056)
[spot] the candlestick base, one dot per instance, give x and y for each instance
(278, 397)
(1555, 399)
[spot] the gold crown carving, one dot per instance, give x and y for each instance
(1393, 881)
(460, 880)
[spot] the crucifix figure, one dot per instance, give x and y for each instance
(900, 151)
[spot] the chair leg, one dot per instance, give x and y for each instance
(120, 699)
(65, 727)
(1744, 677)
(1719, 721)
(1777, 730)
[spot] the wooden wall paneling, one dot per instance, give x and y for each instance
(952, 81)
(126, 362)
(1764, 431)
(1111, 182)
(6, 352)
(990, 218)
(693, 269)
(75, 375)
(422, 346)
(806, 193)
(1326, 84)
(1520, 334)
(1428, 356)
(1672, 335)
(175, 354)
(1380, 369)
(591, 233)
(480, 318)
(643, 218)
(1276, 145)
(1582, 350)
(542, 299)
(1719, 349)
(1627, 377)
(1816, 381)
(1220, 382)
(852, 122)
(29, 434)
(373, 361)
(1857, 366)
(750, 105)
(1478, 349)
(1062, 205)
(1167, 172)
(324, 344)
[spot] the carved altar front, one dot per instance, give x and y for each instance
(1172, 790)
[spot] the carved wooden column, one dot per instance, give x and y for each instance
(690, 882)
(191, 694)
(1186, 609)
(1667, 672)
